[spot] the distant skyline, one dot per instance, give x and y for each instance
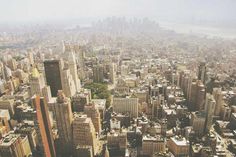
(217, 11)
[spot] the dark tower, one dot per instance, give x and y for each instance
(53, 75)
(202, 72)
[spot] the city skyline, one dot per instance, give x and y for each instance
(109, 78)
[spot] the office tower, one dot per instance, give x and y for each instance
(111, 72)
(7, 73)
(156, 105)
(126, 105)
(217, 93)
(14, 145)
(80, 53)
(12, 64)
(186, 84)
(36, 82)
(73, 70)
(64, 118)
(84, 133)
(84, 151)
(8, 104)
(24, 142)
(202, 72)
(68, 85)
(98, 73)
(53, 74)
(100, 104)
(79, 100)
(91, 111)
(46, 92)
(30, 57)
(179, 146)
(198, 120)
(27, 129)
(210, 110)
(153, 144)
(197, 97)
(43, 128)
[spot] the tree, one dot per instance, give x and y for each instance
(99, 91)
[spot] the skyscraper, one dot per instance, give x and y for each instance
(91, 111)
(43, 128)
(68, 84)
(73, 70)
(202, 72)
(14, 145)
(64, 117)
(53, 74)
(80, 53)
(98, 73)
(84, 133)
(217, 93)
(210, 110)
(112, 72)
(36, 81)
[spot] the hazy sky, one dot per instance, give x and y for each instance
(37, 10)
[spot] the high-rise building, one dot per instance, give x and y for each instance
(68, 84)
(30, 56)
(7, 73)
(198, 120)
(217, 93)
(202, 72)
(73, 70)
(197, 97)
(92, 111)
(36, 82)
(46, 92)
(28, 130)
(80, 53)
(53, 74)
(210, 110)
(98, 73)
(126, 105)
(64, 118)
(84, 133)
(79, 100)
(43, 128)
(112, 73)
(14, 145)
(8, 104)
(156, 105)
(12, 64)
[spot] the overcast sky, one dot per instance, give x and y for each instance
(38, 10)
